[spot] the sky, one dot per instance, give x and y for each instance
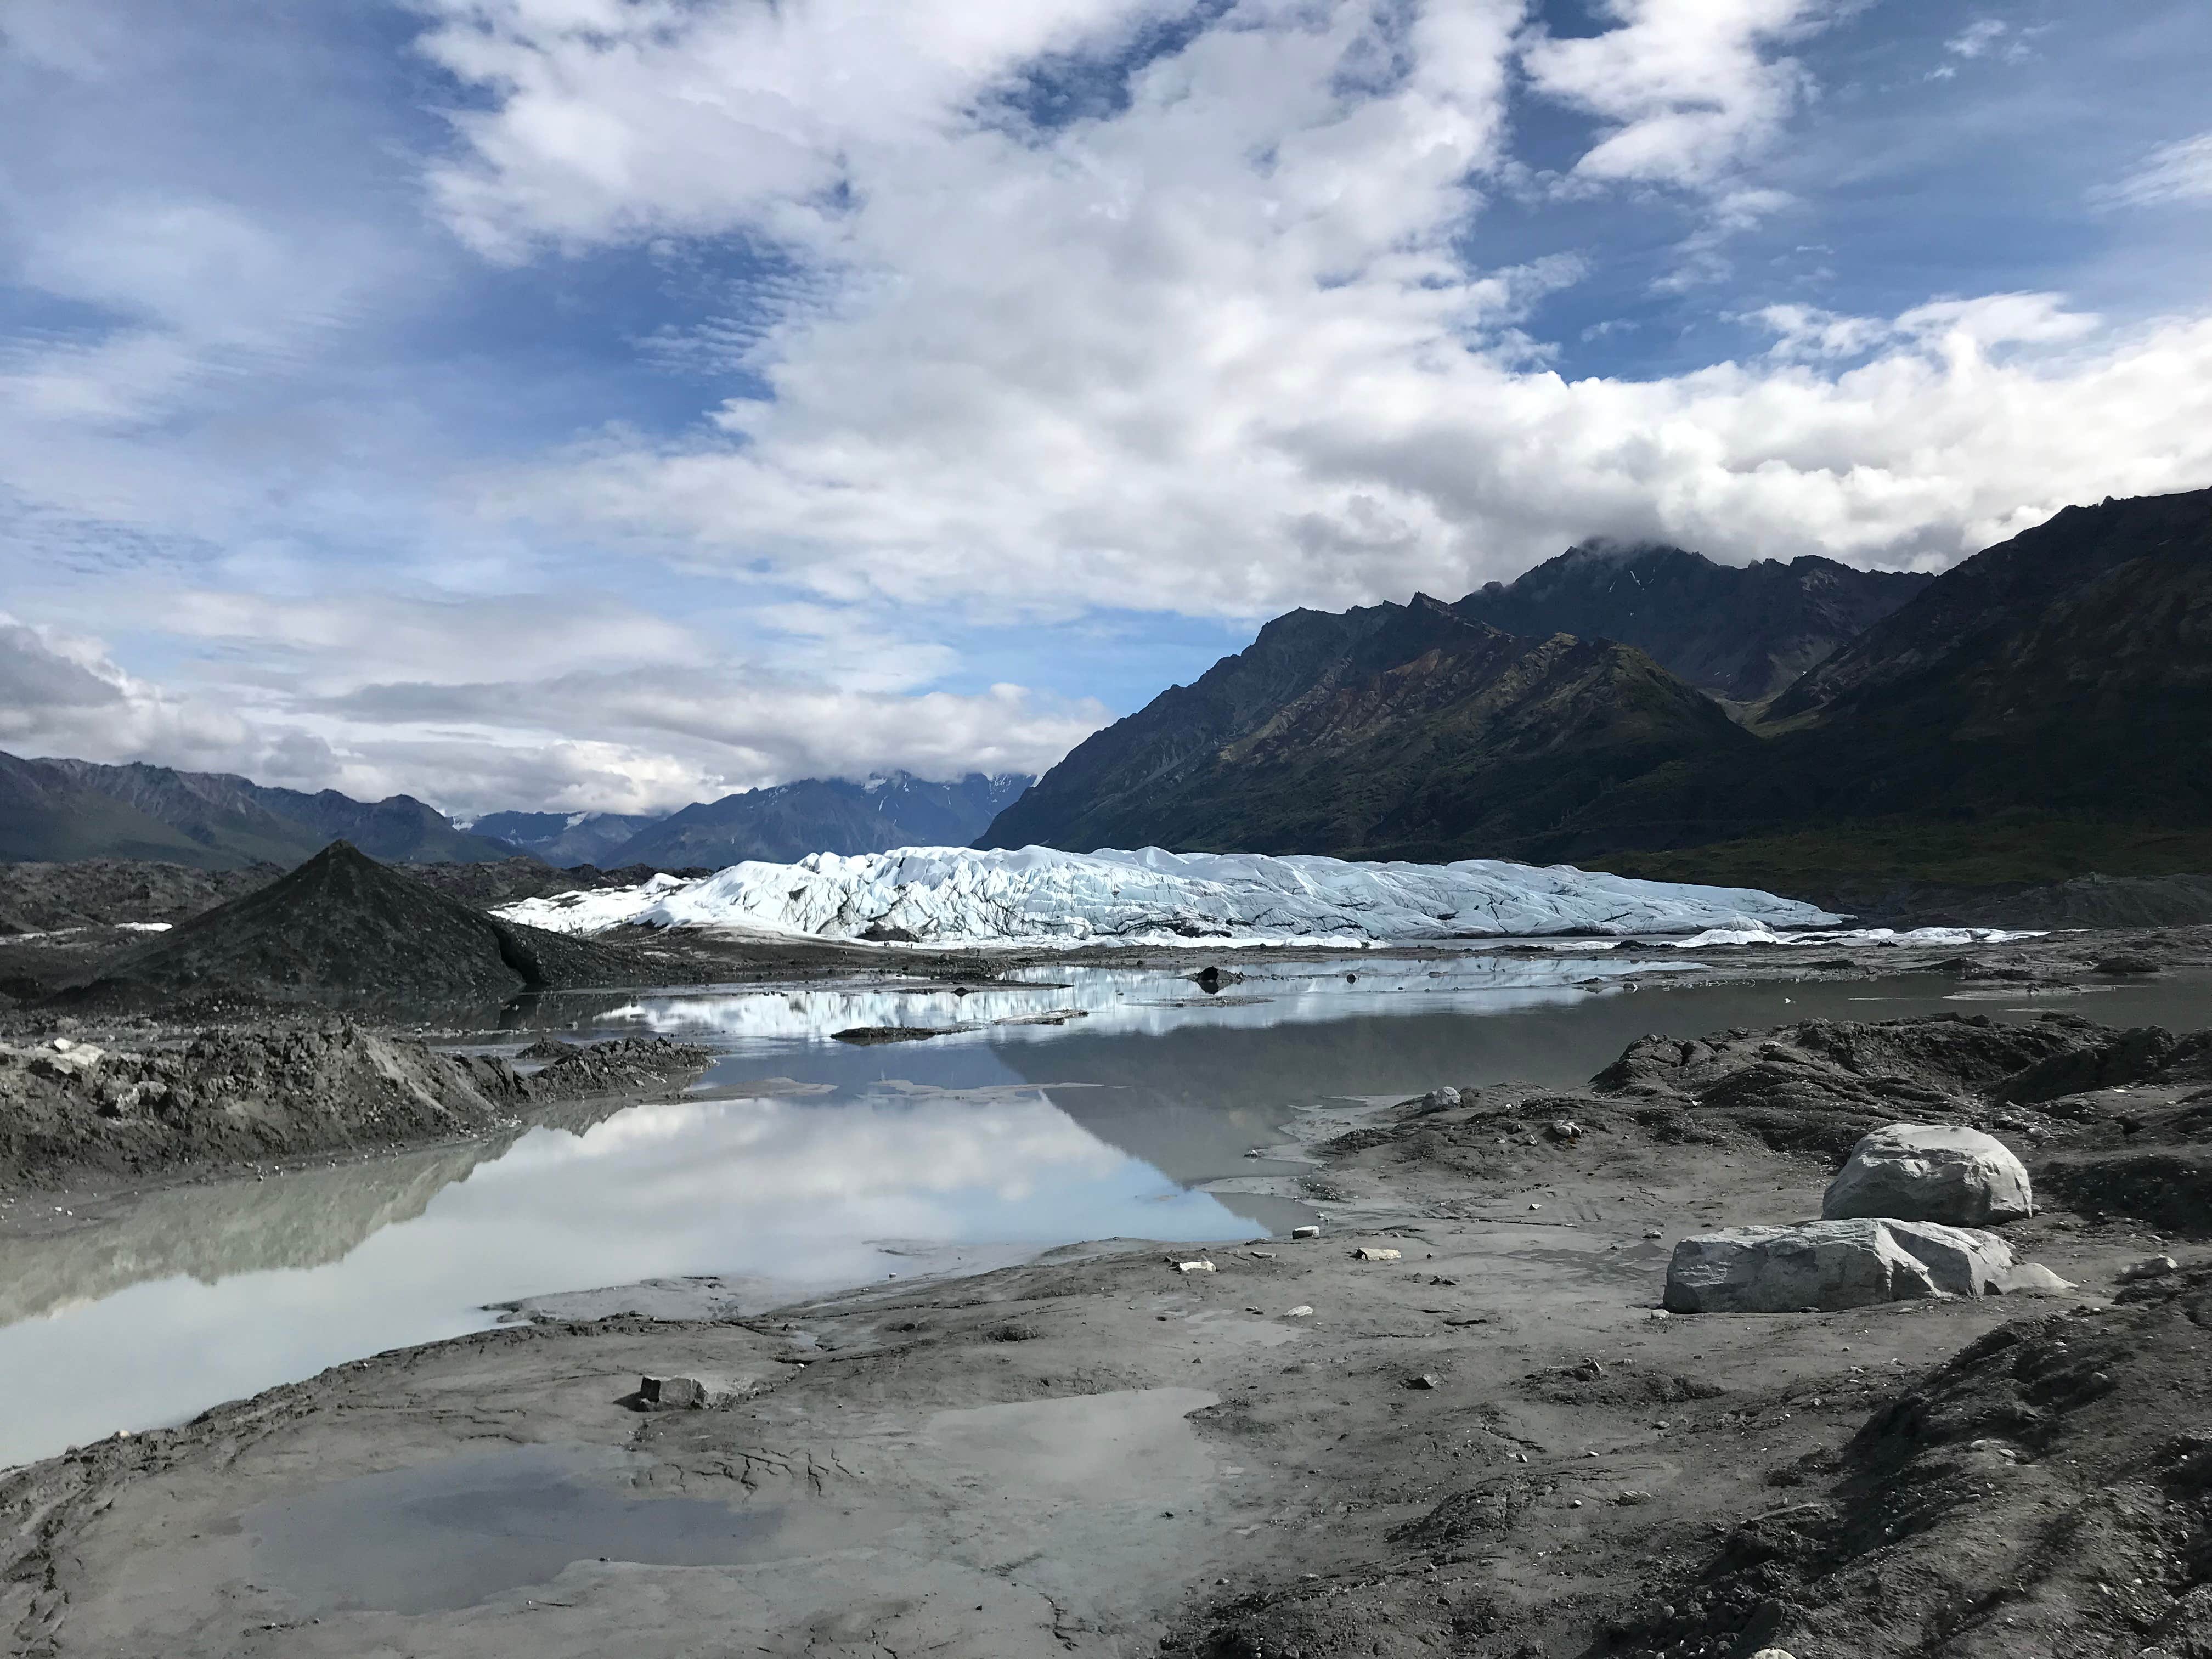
(603, 405)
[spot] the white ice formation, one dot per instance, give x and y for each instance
(957, 895)
(1937, 936)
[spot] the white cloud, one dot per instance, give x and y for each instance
(1227, 350)
(618, 118)
(1686, 90)
(712, 732)
(2180, 172)
(62, 694)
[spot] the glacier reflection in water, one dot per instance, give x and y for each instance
(1145, 1002)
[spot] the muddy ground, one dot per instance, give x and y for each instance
(1493, 1444)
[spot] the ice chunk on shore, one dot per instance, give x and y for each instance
(958, 896)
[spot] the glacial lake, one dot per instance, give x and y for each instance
(805, 1164)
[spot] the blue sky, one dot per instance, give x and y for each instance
(601, 403)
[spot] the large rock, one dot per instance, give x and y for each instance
(1929, 1172)
(1829, 1265)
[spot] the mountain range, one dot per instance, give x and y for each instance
(64, 811)
(57, 810)
(2055, 689)
(823, 815)
(2042, 709)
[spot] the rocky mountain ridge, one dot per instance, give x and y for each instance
(62, 810)
(2059, 679)
(1407, 731)
(1739, 632)
(787, 822)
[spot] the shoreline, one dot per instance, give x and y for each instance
(2058, 966)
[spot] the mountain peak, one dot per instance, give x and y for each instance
(1740, 632)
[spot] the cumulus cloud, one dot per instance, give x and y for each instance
(1686, 90)
(63, 695)
(615, 118)
(1230, 346)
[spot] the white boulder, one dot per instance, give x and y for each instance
(1929, 1172)
(1831, 1265)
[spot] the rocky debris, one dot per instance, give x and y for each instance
(1373, 1252)
(2047, 1490)
(1826, 1265)
(343, 929)
(2032, 1279)
(691, 1394)
(70, 1110)
(2156, 1266)
(1308, 1231)
(601, 1068)
(1441, 1100)
(2126, 963)
(1822, 1084)
(1210, 978)
(101, 892)
(866, 1035)
(2107, 1059)
(1930, 1172)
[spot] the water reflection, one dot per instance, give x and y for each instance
(790, 1190)
(1136, 1002)
(1002, 1134)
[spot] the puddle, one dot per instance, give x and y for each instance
(460, 1531)
(1133, 1446)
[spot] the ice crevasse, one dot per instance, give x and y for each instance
(1035, 895)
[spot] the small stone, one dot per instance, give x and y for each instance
(1305, 1232)
(1301, 1311)
(2156, 1266)
(1200, 1267)
(1421, 1381)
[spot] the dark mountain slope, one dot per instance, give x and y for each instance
(342, 928)
(823, 815)
(60, 811)
(2048, 702)
(47, 815)
(1741, 632)
(2067, 671)
(1394, 732)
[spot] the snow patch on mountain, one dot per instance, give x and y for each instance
(958, 895)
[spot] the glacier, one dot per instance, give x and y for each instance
(1039, 895)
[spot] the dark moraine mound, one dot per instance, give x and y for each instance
(2047, 1491)
(74, 1111)
(342, 928)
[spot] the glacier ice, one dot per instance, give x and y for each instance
(1038, 895)
(1764, 935)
